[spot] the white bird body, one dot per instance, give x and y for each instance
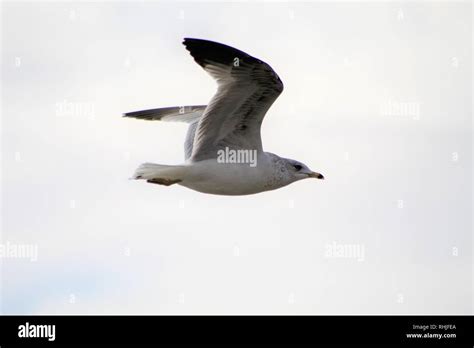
(247, 87)
(209, 176)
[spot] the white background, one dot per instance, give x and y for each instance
(398, 183)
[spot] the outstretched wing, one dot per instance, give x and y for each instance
(247, 87)
(187, 114)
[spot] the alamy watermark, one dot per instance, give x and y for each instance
(28, 330)
(237, 156)
(345, 251)
(81, 109)
(401, 109)
(19, 251)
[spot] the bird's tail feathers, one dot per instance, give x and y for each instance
(159, 173)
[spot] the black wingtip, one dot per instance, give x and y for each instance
(191, 40)
(132, 114)
(205, 51)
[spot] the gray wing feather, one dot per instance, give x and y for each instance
(187, 114)
(189, 142)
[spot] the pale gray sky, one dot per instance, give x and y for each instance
(378, 98)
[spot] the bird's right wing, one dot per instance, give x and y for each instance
(187, 114)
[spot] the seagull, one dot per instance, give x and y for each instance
(223, 147)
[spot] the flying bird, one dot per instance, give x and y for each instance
(223, 147)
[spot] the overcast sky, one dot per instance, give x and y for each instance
(378, 98)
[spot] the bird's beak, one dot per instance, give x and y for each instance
(316, 175)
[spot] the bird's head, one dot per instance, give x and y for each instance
(299, 171)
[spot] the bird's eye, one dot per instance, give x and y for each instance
(297, 167)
